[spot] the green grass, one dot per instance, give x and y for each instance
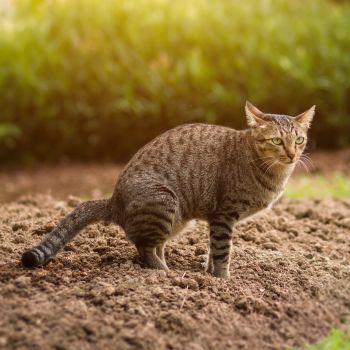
(336, 340)
(318, 186)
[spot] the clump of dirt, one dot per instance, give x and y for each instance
(289, 284)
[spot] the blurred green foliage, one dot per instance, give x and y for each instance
(336, 340)
(97, 79)
(319, 186)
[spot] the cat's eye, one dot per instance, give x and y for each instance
(299, 140)
(277, 141)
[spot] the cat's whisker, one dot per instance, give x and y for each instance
(300, 161)
(307, 155)
(270, 167)
(304, 156)
(266, 161)
(266, 165)
(262, 158)
(308, 161)
(310, 165)
(306, 166)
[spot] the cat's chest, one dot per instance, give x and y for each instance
(259, 204)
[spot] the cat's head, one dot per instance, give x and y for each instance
(280, 137)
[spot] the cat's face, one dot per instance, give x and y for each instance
(279, 138)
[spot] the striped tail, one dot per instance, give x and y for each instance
(85, 214)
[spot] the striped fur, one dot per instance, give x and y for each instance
(193, 171)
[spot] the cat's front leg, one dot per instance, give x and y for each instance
(221, 225)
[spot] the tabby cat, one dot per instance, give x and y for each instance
(193, 171)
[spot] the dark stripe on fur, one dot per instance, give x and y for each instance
(221, 224)
(221, 256)
(221, 236)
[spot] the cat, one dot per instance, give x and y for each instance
(199, 171)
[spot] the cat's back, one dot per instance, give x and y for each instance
(184, 147)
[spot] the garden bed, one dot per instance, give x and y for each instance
(289, 284)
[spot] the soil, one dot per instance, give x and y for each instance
(88, 180)
(289, 284)
(330, 162)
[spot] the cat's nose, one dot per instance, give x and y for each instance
(291, 155)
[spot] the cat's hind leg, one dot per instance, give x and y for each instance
(151, 259)
(149, 237)
(149, 224)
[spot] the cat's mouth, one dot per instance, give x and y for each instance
(287, 161)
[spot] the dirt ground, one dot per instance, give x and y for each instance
(92, 180)
(289, 284)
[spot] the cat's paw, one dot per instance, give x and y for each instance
(221, 273)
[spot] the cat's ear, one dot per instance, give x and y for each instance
(254, 116)
(305, 119)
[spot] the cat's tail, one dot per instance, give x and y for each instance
(85, 214)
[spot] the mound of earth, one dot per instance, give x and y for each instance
(289, 284)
